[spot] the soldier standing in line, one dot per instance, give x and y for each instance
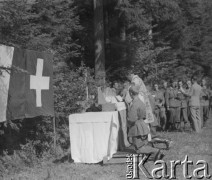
(188, 83)
(194, 103)
(164, 89)
(204, 103)
(184, 108)
(159, 111)
(173, 106)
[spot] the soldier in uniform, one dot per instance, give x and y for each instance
(204, 103)
(173, 106)
(159, 111)
(165, 85)
(138, 129)
(164, 89)
(154, 125)
(184, 107)
(194, 103)
(189, 84)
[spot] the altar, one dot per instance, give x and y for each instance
(93, 136)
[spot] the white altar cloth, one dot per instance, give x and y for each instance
(93, 136)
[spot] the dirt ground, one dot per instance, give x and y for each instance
(195, 146)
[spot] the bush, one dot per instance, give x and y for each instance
(69, 92)
(19, 160)
(32, 141)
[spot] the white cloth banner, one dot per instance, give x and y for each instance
(6, 57)
(93, 136)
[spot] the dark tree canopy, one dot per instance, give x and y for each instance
(155, 36)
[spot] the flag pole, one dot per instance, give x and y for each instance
(54, 128)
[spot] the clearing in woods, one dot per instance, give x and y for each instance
(196, 146)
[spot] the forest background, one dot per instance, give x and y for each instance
(158, 39)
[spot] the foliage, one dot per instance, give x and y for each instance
(69, 91)
(22, 158)
(163, 38)
(52, 26)
(42, 25)
(70, 87)
(174, 33)
(144, 40)
(158, 39)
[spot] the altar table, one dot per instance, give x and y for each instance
(93, 136)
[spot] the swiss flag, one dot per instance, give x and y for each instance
(26, 91)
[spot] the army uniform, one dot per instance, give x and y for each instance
(184, 111)
(159, 110)
(153, 126)
(173, 106)
(204, 105)
(138, 129)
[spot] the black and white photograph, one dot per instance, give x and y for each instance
(105, 89)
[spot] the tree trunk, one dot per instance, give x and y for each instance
(99, 42)
(123, 40)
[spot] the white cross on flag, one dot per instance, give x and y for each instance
(38, 82)
(26, 92)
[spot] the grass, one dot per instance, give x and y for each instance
(196, 146)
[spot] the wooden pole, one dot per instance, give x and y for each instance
(99, 42)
